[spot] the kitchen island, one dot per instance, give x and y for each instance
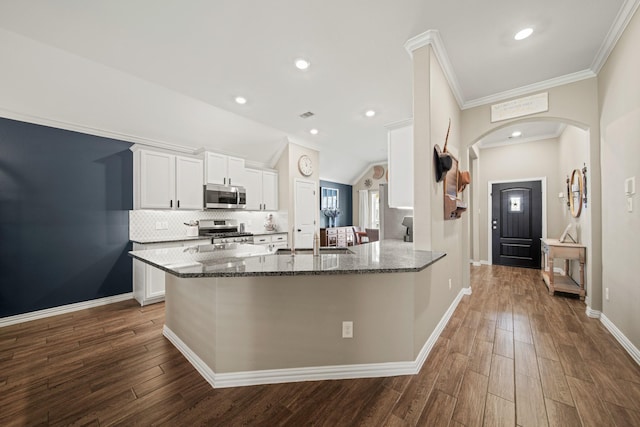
(243, 315)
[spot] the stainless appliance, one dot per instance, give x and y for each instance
(224, 197)
(223, 231)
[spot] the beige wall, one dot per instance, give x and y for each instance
(288, 172)
(619, 95)
(575, 104)
(359, 185)
(573, 154)
(434, 105)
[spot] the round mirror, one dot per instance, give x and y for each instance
(575, 193)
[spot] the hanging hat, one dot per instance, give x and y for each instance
(464, 178)
(442, 159)
(378, 172)
(443, 162)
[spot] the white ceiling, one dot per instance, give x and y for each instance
(216, 50)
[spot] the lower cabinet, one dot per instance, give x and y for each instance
(148, 281)
(274, 241)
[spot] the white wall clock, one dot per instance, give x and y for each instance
(305, 165)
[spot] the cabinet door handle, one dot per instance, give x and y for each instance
(224, 181)
(265, 207)
(170, 203)
(229, 181)
(178, 204)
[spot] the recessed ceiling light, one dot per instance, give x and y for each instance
(240, 100)
(370, 113)
(516, 134)
(313, 131)
(523, 34)
(302, 64)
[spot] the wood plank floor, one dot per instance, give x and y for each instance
(510, 355)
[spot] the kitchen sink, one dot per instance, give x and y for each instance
(323, 251)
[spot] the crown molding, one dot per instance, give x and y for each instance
(535, 87)
(29, 118)
(432, 37)
(615, 32)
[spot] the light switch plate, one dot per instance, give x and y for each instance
(630, 186)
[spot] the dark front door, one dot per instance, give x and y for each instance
(516, 223)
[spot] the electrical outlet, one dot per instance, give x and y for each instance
(347, 329)
(449, 283)
(606, 294)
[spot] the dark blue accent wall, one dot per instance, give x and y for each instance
(345, 198)
(64, 220)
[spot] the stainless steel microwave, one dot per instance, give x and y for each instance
(224, 197)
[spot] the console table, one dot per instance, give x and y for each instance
(552, 248)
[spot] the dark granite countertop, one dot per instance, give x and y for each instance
(237, 260)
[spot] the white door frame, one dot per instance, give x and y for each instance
(295, 207)
(543, 184)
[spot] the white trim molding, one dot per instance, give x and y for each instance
(64, 309)
(615, 32)
(315, 373)
(622, 339)
(30, 118)
(594, 314)
(432, 37)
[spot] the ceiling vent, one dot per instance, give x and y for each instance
(306, 115)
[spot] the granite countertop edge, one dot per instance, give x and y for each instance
(410, 266)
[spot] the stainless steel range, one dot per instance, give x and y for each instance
(224, 231)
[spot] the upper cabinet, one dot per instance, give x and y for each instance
(400, 140)
(166, 181)
(262, 190)
(224, 170)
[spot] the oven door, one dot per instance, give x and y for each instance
(220, 197)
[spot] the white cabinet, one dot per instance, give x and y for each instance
(148, 281)
(400, 140)
(273, 241)
(224, 170)
(262, 190)
(165, 181)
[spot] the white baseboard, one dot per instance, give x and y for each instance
(622, 339)
(63, 309)
(594, 314)
(479, 263)
(315, 373)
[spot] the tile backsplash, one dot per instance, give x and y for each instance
(142, 223)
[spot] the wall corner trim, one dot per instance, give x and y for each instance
(633, 351)
(315, 373)
(63, 309)
(615, 32)
(432, 37)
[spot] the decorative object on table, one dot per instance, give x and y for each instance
(270, 224)
(368, 183)
(565, 234)
(378, 172)
(332, 214)
(305, 165)
(442, 159)
(407, 221)
(584, 185)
